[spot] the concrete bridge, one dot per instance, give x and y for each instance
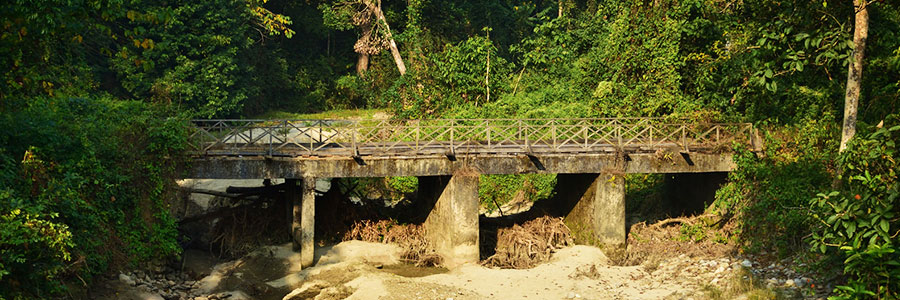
(590, 156)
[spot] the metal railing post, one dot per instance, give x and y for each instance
(487, 133)
(354, 147)
(619, 136)
(452, 128)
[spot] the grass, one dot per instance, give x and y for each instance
(342, 114)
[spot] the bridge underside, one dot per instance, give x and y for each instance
(438, 165)
(591, 189)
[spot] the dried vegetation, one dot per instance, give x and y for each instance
(524, 246)
(410, 238)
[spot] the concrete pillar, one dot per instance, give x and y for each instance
(451, 227)
(303, 204)
(594, 207)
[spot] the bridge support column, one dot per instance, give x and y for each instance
(303, 204)
(452, 225)
(594, 207)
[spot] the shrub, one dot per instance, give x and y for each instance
(858, 222)
(33, 250)
(766, 193)
(497, 190)
(85, 180)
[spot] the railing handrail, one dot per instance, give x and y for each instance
(386, 137)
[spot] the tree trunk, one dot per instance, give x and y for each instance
(362, 64)
(394, 51)
(560, 12)
(854, 74)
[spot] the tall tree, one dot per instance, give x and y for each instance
(375, 33)
(379, 15)
(854, 74)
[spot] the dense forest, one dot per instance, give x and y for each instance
(95, 95)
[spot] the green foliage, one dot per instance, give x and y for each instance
(766, 193)
(404, 184)
(694, 233)
(352, 91)
(644, 195)
(859, 222)
(463, 71)
(95, 180)
(33, 250)
(497, 190)
(467, 74)
(172, 62)
(96, 163)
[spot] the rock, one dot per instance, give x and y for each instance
(790, 283)
(307, 291)
(126, 279)
(720, 269)
(238, 295)
(746, 263)
(571, 295)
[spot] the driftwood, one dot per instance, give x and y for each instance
(682, 220)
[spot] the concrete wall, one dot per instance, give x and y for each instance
(452, 224)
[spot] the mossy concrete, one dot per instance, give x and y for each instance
(451, 227)
(593, 206)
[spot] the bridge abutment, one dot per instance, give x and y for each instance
(302, 195)
(451, 227)
(593, 206)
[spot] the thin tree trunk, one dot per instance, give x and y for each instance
(362, 64)
(854, 73)
(560, 12)
(394, 51)
(487, 75)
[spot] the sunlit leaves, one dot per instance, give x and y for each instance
(272, 23)
(860, 218)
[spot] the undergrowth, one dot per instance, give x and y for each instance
(84, 185)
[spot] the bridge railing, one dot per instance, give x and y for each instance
(461, 136)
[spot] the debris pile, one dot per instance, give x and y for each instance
(524, 246)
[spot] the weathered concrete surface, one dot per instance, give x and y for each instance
(573, 163)
(452, 225)
(593, 206)
(303, 201)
